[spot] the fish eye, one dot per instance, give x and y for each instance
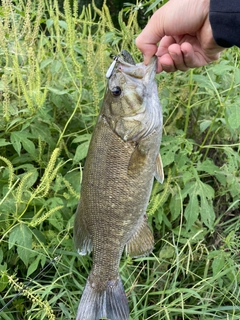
(116, 91)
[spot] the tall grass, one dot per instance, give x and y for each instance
(52, 69)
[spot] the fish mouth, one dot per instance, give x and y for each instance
(125, 63)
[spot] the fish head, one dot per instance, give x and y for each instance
(131, 105)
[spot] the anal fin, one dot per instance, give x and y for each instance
(142, 242)
(82, 238)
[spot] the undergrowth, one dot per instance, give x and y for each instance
(52, 68)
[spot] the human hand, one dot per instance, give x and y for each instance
(185, 35)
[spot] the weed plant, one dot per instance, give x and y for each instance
(52, 69)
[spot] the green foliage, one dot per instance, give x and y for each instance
(52, 67)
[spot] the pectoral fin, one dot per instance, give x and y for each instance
(159, 174)
(142, 242)
(137, 161)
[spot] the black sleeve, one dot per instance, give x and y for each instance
(224, 17)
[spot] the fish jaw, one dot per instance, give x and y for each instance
(132, 107)
(139, 70)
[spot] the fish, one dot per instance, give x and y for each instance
(122, 161)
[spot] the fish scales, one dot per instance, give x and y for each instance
(117, 181)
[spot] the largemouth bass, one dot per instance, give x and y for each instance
(122, 160)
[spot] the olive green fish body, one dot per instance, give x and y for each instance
(122, 160)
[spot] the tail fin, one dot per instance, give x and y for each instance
(111, 303)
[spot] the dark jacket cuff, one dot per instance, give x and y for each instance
(224, 17)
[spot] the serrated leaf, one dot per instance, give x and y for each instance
(234, 117)
(191, 211)
(168, 154)
(207, 212)
(56, 220)
(21, 236)
(236, 75)
(204, 82)
(221, 68)
(205, 190)
(175, 206)
(207, 166)
(203, 193)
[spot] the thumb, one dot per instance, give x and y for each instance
(151, 35)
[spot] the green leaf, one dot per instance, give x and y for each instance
(3, 280)
(206, 211)
(3, 142)
(175, 206)
(234, 118)
(153, 5)
(29, 146)
(16, 142)
(21, 236)
(57, 91)
(205, 124)
(191, 211)
(221, 69)
(33, 266)
(31, 179)
(204, 82)
(21, 138)
(81, 151)
(1, 255)
(218, 263)
(207, 166)
(168, 154)
(82, 137)
(56, 220)
(200, 201)
(45, 63)
(63, 24)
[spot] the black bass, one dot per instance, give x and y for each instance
(122, 160)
